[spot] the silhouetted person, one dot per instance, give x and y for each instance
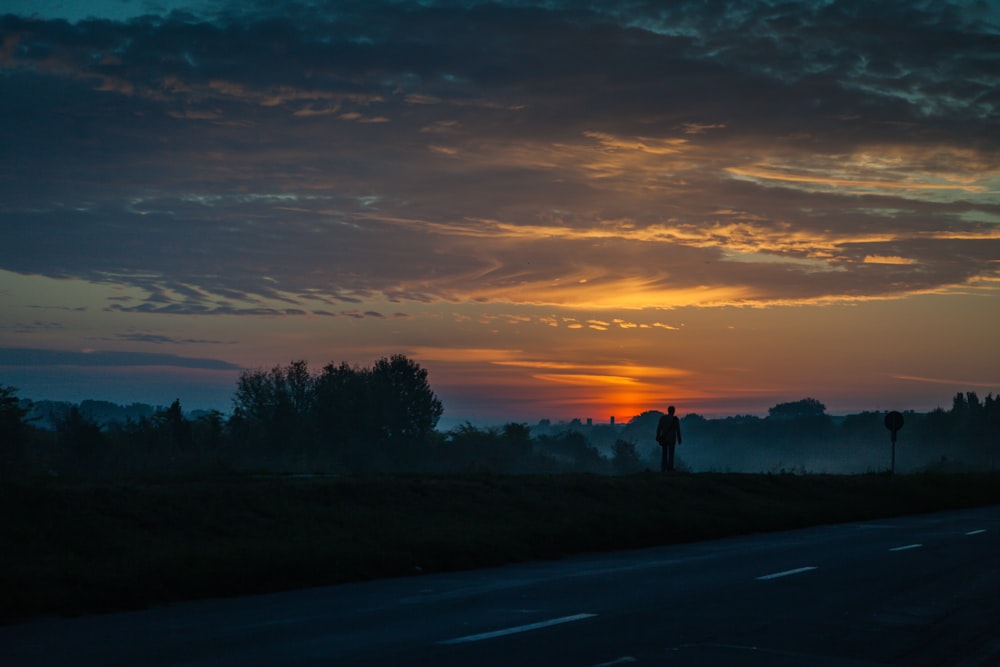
(668, 434)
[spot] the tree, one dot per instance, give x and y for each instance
(82, 439)
(625, 457)
(275, 405)
(342, 405)
(13, 426)
(208, 430)
(572, 449)
(173, 428)
(12, 414)
(406, 408)
(462, 448)
(299, 387)
(517, 440)
(506, 449)
(807, 407)
(642, 427)
(363, 415)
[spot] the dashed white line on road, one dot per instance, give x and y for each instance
(625, 660)
(907, 547)
(786, 573)
(976, 532)
(515, 630)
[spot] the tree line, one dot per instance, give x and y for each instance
(339, 419)
(349, 419)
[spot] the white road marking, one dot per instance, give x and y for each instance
(976, 532)
(624, 660)
(517, 629)
(907, 547)
(786, 573)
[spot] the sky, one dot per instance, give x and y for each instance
(559, 209)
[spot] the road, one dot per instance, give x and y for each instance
(914, 591)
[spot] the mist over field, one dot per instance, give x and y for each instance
(791, 440)
(347, 420)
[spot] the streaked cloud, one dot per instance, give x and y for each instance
(107, 358)
(991, 384)
(368, 171)
(141, 337)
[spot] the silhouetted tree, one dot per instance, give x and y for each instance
(517, 440)
(508, 449)
(299, 387)
(208, 430)
(13, 428)
(173, 429)
(991, 429)
(463, 448)
(365, 417)
(343, 408)
(406, 408)
(573, 450)
(82, 440)
(642, 427)
(625, 458)
(12, 416)
(937, 427)
(467, 448)
(807, 407)
(275, 405)
(960, 410)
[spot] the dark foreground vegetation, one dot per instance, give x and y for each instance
(85, 547)
(341, 475)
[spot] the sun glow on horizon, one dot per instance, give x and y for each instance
(544, 245)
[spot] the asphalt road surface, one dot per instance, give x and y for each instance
(915, 591)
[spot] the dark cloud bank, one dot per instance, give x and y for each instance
(309, 156)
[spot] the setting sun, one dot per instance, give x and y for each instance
(694, 220)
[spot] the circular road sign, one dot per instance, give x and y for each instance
(894, 421)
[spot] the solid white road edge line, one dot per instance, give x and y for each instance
(786, 573)
(976, 532)
(907, 547)
(517, 629)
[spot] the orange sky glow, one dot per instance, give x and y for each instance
(719, 212)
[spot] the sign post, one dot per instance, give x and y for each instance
(893, 422)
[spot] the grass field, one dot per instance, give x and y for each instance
(76, 548)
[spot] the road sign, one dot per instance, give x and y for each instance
(893, 422)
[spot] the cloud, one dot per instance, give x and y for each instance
(241, 159)
(954, 383)
(190, 308)
(40, 357)
(36, 326)
(566, 368)
(882, 259)
(160, 339)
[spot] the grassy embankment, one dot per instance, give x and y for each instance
(71, 548)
